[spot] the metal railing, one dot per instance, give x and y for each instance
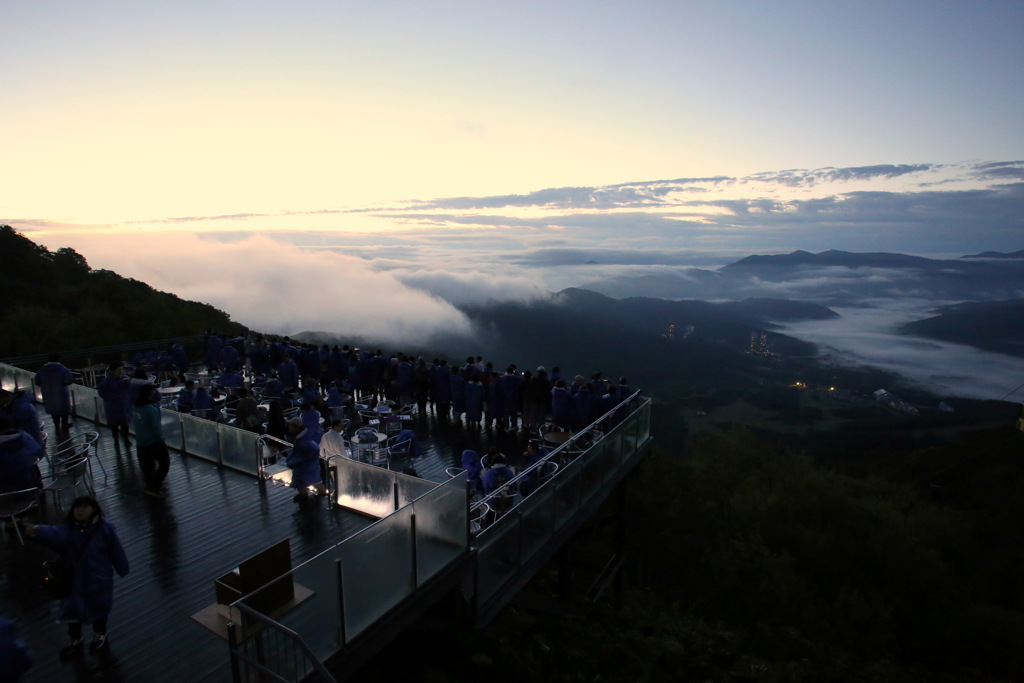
(561, 454)
(274, 652)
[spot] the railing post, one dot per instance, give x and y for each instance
(415, 569)
(341, 604)
(236, 674)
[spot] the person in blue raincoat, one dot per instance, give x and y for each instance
(15, 656)
(90, 543)
(457, 384)
(561, 405)
(471, 463)
(114, 390)
(21, 408)
(304, 462)
(53, 379)
(474, 401)
(406, 441)
(19, 453)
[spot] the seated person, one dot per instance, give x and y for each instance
(246, 408)
(203, 404)
(471, 463)
(273, 388)
(20, 407)
(498, 474)
(18, 455)
(535, 452)
(406, 442)
(231, 379)
(186, 397)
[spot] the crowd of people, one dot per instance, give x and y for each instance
(262, 382)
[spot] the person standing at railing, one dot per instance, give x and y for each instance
(53, 379)
(113, 389)
(152, 453)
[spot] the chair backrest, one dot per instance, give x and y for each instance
(15, 502)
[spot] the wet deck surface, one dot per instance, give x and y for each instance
(210, 520)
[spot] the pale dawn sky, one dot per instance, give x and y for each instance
(418, 148)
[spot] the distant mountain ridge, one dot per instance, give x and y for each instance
(830, 278)
(997, 254)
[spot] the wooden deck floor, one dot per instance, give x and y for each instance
(209, 521)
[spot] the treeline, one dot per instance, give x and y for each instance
(53, 301)
(750, 563)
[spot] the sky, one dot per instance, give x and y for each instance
(390, 160)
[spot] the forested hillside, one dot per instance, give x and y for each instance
(53, 301)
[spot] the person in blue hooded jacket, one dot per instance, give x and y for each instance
(114, 390)
(15, 656)
(21, 408)
(406, 441)
(304, 462)
(90, 544)
(457, 383)
(151, 450)
(53, 379)
(474, 401)
(19, 453)
(471, 463)
(561, 406)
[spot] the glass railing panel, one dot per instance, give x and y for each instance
(645, 421)
(410, 488)
(440, 527)
(365, 488)
(313, 611)
(200, 437)
(628, 432)
(591, 475)
(567, 492)
(170, 423)
(238, 449)
(377, 570)
(83, 401)
(612, 445)
(497, 558)
(537, 515)
(8, 378)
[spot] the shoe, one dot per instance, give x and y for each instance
(99, 642)
(155, 494)
(71, 650)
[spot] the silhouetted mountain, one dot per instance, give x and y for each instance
(778, 310)
(997, 254)
(656, 343)
(992, 325)
(833, 258)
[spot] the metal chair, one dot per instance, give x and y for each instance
(479, 518)
(90, 439)
(68, 472)
(14, 503)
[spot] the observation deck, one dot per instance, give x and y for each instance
(383, 550)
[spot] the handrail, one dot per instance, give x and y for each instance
(291, 635)
(262, 441)
(555, 451)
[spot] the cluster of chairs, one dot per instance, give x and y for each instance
(487, 508)
(68, 468)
